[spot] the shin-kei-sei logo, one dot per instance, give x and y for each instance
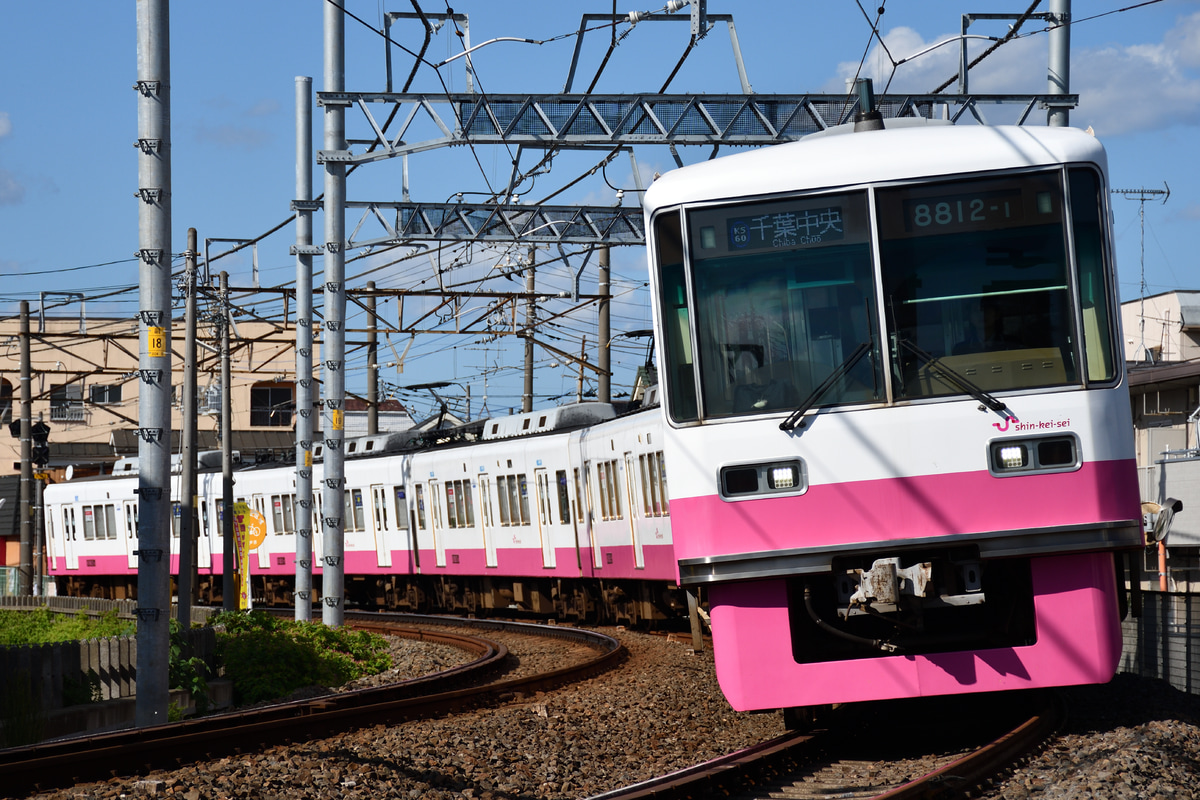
(1017, 426)
(1009, 420)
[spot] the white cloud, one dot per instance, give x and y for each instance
(1140, 87)
(1122, 88)
(5, 124)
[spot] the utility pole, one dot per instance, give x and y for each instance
(1142, 195)
(1059, 72)
(530, 327)
(229, 591)
(333, 348)
(154, 399)
(188, 573)
(304, 251)
(25, 553)
(604, 356)
(373, 364)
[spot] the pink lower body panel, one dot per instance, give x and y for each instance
(1078, 642)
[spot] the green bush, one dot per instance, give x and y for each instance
(268, 657)
(44, 626)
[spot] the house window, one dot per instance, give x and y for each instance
(6, 401)
(66, 403)
(271, 405)
(104, 395)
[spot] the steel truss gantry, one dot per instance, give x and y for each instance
(590, 120)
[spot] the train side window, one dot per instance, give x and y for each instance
(452, 505)
(502, 499)
(283, 507)
(353, 519)
(219, 516)
(204, 519)
(401, 508)
(421, 506)
(564, 497)
(1087, 225)
(89, 523)
(176, 515)
(524, 487)
(578, 497)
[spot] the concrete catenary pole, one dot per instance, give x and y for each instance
(603, 330)
(372, 363)
(154, 363)
(333, 348)
(229, 587)
(530, 326)
(25, 548)
(188, 561)
(1059, 71)
(304, 251)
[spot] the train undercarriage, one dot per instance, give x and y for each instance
(637, 604)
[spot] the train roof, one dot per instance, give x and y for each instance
(904, 149)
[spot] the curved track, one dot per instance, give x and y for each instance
(820, 764)
(62, 763)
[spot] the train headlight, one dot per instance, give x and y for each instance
(786, 477)
(738, 481)
(1013, 456)
(1034, 455)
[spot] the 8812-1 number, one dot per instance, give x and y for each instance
(955, 212)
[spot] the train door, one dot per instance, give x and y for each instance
(129, 515)
(204, 537)
(635, 530)
(379, 524)
(435, 525)
(485, 522)
(545, 516)
(259, 504)
(589, 516)
(418, 521)
(68, 537)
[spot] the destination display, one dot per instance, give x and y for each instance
(965, 206)
(797, 223)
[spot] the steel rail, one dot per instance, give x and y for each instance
(65, 762)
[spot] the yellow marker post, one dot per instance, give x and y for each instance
(249, 532)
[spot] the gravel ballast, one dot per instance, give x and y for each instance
(660, 711)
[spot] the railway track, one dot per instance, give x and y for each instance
(896, 759)
(66, 762)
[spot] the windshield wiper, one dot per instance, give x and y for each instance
(963, 383)
(795, 419)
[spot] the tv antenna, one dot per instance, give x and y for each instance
(1142, 195)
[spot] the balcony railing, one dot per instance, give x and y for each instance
(68, 413)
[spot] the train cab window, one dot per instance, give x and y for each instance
(975, 282)
(784, 303)
(677, 345)
(1087, 225)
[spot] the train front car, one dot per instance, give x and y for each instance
(897, 419)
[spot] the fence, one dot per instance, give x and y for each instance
(1162, 643)
(65, 673)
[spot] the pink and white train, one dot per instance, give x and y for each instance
(897, 422)
(895, 415)
(562, 512)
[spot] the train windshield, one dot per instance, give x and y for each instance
(975, 281)
(778, 298)
(784, 296)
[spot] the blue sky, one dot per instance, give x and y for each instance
(68, 121)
